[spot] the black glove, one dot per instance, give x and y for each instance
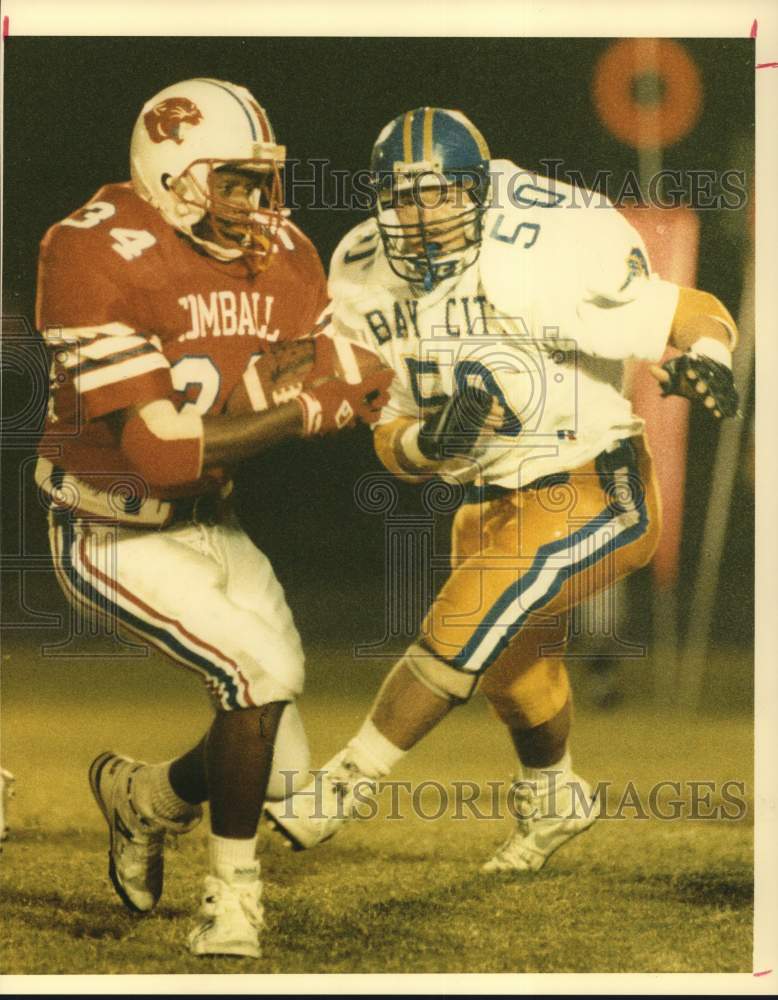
(701, 379)
(455, 429)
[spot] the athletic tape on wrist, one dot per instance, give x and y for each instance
(712, 349)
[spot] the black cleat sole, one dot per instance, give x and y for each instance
(280, 829)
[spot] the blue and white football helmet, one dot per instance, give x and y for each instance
(418, 150)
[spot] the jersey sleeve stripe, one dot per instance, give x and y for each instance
(104, 348)
(56, 335)
(131, 368)
(133, 352)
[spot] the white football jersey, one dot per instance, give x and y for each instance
(560, 296)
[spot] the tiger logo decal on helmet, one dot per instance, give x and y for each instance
(211, 125)
(165, 119)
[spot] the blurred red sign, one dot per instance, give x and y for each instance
(672, 237)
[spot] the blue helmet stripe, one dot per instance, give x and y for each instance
(243, 107)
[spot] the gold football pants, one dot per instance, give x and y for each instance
(521, 559)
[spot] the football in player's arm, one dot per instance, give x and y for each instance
(444, 442)
(505, 305)
(156, 298)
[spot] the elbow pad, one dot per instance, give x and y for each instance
(165, 446)
(692, 302)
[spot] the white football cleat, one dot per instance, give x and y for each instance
(320, 809)
(137, 843)
(231, 916)
(545, 822)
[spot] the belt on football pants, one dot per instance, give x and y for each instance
(209, 508)
(622, 450)
(107, 498)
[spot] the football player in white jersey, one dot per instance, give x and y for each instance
(506, 306)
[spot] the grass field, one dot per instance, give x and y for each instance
(632, 895)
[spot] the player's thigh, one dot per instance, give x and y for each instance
(252, 585)
(467, 532)
(476, 522)
(583, 535)
(467, 604)
(547, 549)
(251, 580)
(171, 587)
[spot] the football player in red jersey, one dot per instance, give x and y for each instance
(155, 297)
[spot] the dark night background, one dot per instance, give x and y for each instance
(70, 105)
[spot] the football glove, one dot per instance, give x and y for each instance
(334, 404)
(455, 429)
(701, 379)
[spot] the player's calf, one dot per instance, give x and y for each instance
(419, 691)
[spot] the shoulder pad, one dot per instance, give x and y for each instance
(297, 252)
(114, 204)
(90, 261)
(515, 186)
(114, 225)
(352, 278)
(297, 236)
(357, 247)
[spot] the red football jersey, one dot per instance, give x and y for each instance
(133, 312)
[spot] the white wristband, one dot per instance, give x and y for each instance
(409, 445)
(712, 349)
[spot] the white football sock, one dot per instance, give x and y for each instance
(233, 859)
(540, 775)
(153, 795)
(372, 752)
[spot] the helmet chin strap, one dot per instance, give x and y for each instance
(432, 265)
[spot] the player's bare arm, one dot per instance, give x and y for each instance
(165, 300)
(170, 447)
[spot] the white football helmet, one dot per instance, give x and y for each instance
(182, 136)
